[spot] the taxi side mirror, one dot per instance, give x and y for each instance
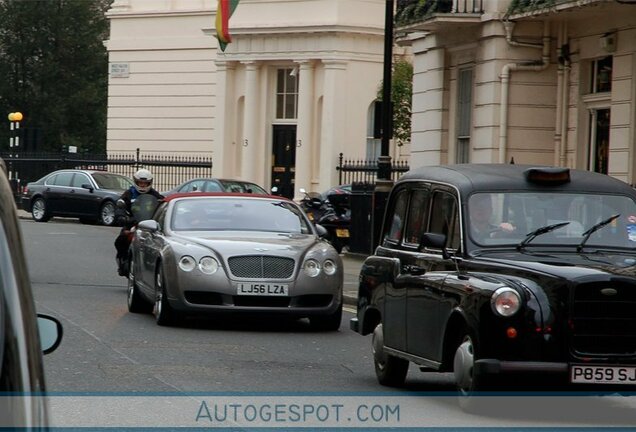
(435, 241)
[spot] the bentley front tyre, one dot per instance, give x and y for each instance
(136, 304)
(390, 370)
(165, 315)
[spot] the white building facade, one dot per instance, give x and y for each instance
(293, 90)
(539, 82)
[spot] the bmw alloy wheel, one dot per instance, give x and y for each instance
(107, 213)
(39, 210)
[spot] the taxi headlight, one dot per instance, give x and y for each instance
(329, 267)
(505, 301)
(311, 268)
(187, 263)
(208, 265)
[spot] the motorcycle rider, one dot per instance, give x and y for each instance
(124, 215)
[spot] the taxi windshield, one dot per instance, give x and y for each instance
(553, 219)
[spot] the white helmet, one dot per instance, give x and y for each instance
(143, 180)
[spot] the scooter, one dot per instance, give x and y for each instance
(322, 212)
(142, 208)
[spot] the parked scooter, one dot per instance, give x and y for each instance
(321, 212)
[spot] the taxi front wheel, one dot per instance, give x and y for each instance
(390, 370)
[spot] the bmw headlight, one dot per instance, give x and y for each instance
(208, 265)
(329, 267)
(311, 268)
(187, 263)
(505, 301)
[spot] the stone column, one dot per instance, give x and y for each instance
(305, 128)
(332, 129)
(252, 149)
(428, 102)
(224, 153)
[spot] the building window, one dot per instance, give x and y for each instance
(602, 75)
(599, 140)
(287, 94)
(464, 112)
(374, 145)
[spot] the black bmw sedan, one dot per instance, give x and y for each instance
(85, 194)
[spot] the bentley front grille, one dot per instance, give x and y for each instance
(261, 267)
(603, 320)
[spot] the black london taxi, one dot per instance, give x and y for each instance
(492, 270)
(24, 336)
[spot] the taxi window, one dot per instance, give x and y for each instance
(418, 212)
(395, 223)
(444, 218)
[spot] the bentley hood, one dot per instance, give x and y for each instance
(233, 243)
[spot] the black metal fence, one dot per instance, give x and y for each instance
(169, 169)
(365, 171)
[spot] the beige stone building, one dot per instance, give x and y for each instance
(541, 81)
(294, 89)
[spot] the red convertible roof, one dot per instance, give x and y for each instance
(222, 194)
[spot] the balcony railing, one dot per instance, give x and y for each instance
(414, 11)
(533, 6)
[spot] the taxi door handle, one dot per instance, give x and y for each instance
(414, 270)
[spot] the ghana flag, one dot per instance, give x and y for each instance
(224, 11)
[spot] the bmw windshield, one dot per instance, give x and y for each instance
(552, 219)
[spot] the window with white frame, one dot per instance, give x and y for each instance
(601, 75)
(287, 94)
(598, 103)
(464, 114)
(599, 140)
(374, 145)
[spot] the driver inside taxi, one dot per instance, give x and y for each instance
(480, 218)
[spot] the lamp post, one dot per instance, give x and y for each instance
(384, 161)
(14, 142)
(383, 182)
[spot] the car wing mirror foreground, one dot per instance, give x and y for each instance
(149, 225)
(435, 241)
(50, 330)
(87, 186)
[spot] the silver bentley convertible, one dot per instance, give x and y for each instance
(234, 253)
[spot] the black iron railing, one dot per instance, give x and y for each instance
(169, 169)
(365, 171)
(412, 11)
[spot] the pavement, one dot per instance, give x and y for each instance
(351, 263)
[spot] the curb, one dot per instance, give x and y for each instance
(349, 300)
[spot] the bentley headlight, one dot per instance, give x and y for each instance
(311, 268)
(329, 267)
(505, 301)
(187, 263)
(208, 265)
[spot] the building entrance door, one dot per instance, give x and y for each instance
(284, 159)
